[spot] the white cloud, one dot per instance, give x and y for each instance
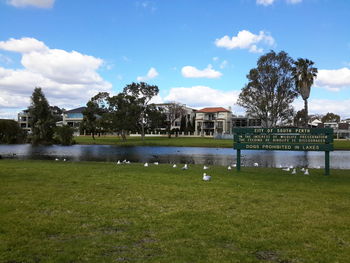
(23, 45)
(333, 79)
(270, 2)
(35, 3)
(68, 79)
(322, 106)
(215, 58)
(223, 64)
(246, 40)
(202, 96)
(151, 74)
(208, 72)
(265, 2)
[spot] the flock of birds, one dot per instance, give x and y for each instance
(207, 177)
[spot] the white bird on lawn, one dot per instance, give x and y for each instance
(174, 165)
(145, 165)
(64, 159)
(234, 165)
(156, 163)
(306, 172)
(229, 167)
(124, 161)
(205, 167)
(127, 162)
(286, 169)
(118, 162)
(185, 167)
(302, 169)
(256, 164)
(294, 171)
(56, 159)
(206, 177)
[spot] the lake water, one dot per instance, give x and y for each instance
(191, 155)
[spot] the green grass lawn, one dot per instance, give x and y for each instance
(179, 141)
(100, 212)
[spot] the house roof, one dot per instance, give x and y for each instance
(77, 110)
(212, 110)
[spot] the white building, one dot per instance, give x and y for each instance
(211, 121)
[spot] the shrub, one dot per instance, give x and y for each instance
(64, 135)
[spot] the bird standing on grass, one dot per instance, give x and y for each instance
(206, 177)
(145, 165)
(229, 167)
(205, 167)
(118, 162)
(256, 164)
(185, 167)
(174, 165)
(294, 171)
(306, 172)
(156, 163)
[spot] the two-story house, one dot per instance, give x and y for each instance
(211, 121)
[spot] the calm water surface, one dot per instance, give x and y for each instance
(194, 155)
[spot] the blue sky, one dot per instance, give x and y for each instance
(197, 52)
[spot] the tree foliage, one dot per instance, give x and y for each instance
(64, 135)
(124, 112)
(304, 74)
(143, 94)
(270, 90)
(174, 111)
(11, 133)
(330, 117)
(42, 121)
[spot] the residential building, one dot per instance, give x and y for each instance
(74, 117)
(245, 122)
(23, 119)
(212, 121)
(189, 114)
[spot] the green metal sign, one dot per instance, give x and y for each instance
(284, 139)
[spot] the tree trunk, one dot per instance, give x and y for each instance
(306, 113)
(93, 135)
(142, 131)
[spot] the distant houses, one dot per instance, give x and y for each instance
(209, 121)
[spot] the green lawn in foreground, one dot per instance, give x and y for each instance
(180, 141)
(100, 212)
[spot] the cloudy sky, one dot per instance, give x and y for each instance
(198, 52)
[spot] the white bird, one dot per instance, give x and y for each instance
(229, 167)
(234, 165)
(156, 163)
(118, 162)
(127, 162)
(64, 159)
(306, 172)
(302, 169)
(256, 164)
(185, 167)
(206, 177)
(294, 171)
(286, 169)
(205, 167)
(145, 165)
(56, 159)
(124, 161)
(174, 165)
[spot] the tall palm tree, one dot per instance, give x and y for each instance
(304, 74)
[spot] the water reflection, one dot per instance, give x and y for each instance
(191, 155)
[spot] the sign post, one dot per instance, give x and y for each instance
(284, 139)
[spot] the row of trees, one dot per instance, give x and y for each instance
(131, 110)
(274, 84)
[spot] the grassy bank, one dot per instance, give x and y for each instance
(101, 212)
(180, 141)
